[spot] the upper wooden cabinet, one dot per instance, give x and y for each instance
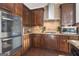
(7, 6)
(18, 9)
(68, 16)
(14, 8)
(26, 16)
(37, 17)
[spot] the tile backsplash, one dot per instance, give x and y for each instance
(37, 29)
(49, 26)
(26, 30)
(34, 29)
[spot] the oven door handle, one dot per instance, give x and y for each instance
(6, 39)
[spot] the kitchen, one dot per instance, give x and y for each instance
(39, 29)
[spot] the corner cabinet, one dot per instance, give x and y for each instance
(68, 12)
(37, 16)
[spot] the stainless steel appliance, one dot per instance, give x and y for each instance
(6, 44)
(6, 23)
(74, 51)
(10, 29)
(69, 30)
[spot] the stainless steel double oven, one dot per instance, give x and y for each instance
(9, 26)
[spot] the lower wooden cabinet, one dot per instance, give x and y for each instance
(38, 41)
(25, 44)
(62, 43)
(50, 41)
(44, 41)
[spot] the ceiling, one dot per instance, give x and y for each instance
(35, 5)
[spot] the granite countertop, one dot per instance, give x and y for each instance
(74, 43)
(53, 34)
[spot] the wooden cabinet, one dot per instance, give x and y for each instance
(25, 43)
(37, 17)
(18, 9)
(68, 14)
(63, 42)
(26, 16)
(14, 8)
(7, 6)
(44, 41)
(38, 40)
(63, 45)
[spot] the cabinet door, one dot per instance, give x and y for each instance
(51, 42)
(63, 44)
(37, 17)
(36, 41)
(68, 14)
(26, 16)
(42, 41)
(18, 9)
(7, 6)
(25, 43)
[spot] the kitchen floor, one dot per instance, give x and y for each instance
(44, 52)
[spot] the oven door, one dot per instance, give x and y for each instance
(6, 45)
(6, 27)
(74, 51)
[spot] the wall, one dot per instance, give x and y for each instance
(77, 13)
(51, 26)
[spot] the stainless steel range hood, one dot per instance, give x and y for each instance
(52, 11)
